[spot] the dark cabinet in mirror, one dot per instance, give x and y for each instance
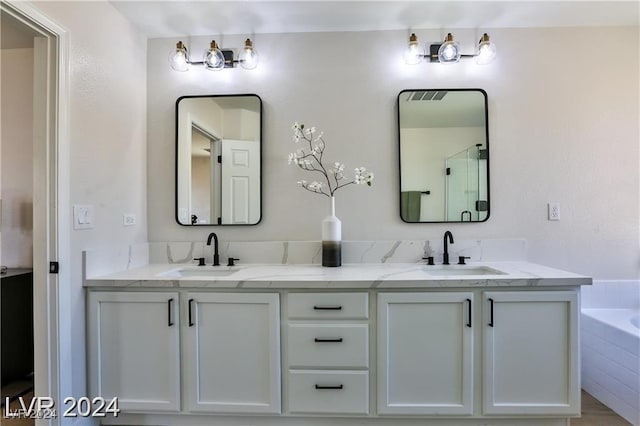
(444, 155)
(218, 160)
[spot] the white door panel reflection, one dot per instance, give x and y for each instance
(218, 160)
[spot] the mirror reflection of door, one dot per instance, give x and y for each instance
(205, 177)
(444, 155)
(218, 160)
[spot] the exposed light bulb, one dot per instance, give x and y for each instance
(248, 58)
(213, 58)
(486, 50)
(414, 53)
(179, 58)
(449, 51)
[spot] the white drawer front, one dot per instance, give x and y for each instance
(329, 392)
(328, 305)
(331, 345)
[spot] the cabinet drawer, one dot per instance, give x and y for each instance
(329, 392)
(334, 345)
(328, 305)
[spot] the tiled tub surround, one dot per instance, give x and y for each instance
(334, 346)
(610, 340)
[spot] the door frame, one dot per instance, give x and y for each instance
(51, 227)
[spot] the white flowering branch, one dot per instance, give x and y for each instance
(310, 159)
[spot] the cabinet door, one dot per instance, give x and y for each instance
(232, 353)
(531, 353)
(134, 349)
(425, 349)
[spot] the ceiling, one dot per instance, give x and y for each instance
(162, 18)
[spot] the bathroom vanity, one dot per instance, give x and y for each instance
(482, 344)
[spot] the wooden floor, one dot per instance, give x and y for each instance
(594, 413)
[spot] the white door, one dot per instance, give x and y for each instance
(134, 349)
(240, 182)
(425, 350)
(531, 352)
(232, 353)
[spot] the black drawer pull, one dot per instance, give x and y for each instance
(491, 312)
(327, 308)
(169, 311)
(190, 313)
(321, 340)
(469, 313)
(335, 387)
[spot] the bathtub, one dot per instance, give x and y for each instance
(610, 346)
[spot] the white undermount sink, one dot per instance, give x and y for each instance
(448, 270)
(199, 271)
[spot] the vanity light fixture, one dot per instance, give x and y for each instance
(214, 58)
(486, 50)
(449, 51)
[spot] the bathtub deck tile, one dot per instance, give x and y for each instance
(611, 368)
(592, 373)
(616, 336)
(606, 349)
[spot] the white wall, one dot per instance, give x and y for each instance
(107, 139)
(563, 127)
(17, 158)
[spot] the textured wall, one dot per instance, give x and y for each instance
(563, 127)
(107, 110)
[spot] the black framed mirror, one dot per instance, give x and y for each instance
(219, 160)
(444, 155)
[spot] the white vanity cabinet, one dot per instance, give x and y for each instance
(425, 353)
(363, 344)
(530, 353)
(328, 353)
(231, 352)
(134, 349)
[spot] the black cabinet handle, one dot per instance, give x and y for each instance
(335, 387)
(321, 340)
(490, 312)
(469, 313)
(327, 308)
(169, 312)
(190, 313)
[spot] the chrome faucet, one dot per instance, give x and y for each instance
(445, 256)
(216, 255)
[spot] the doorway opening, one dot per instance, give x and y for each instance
(38, 222)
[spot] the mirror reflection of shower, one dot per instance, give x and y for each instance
(466, 185)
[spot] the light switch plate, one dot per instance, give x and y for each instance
(82, 217)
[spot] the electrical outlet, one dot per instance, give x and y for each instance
(128, 219)
(553, 211)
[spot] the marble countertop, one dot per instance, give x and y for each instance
(349, 276)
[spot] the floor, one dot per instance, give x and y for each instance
(594, 413)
